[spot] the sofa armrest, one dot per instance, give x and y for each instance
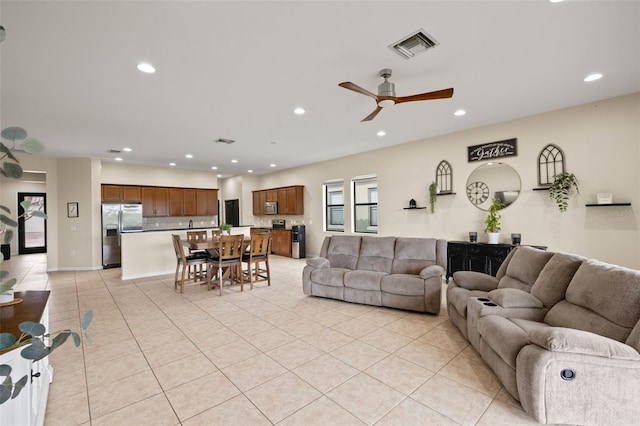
(318, 262)
(472, 280)
(514, 298)
(568, 340)
(432, 271)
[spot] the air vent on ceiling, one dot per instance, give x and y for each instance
(114, 151)
(414, 44)
(223, 140)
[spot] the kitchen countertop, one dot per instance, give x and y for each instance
(191, 229)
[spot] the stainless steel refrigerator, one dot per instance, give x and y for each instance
(116, 219)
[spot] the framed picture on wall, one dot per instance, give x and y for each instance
(72, 209)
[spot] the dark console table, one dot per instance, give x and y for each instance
(479, 257)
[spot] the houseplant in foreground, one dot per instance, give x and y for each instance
(560, 189)
(493, 221)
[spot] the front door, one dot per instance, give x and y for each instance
(32, 230)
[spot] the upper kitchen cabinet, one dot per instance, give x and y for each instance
(155, 201)
(190, 204)
(206, 202)
(290, 200)
(176, 202)
(121, 193)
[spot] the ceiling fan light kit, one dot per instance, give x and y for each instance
(386, 96)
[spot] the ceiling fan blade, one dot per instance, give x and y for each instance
(349, 85)
(372, 115)
(438, 94)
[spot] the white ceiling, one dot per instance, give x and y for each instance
(238, 69)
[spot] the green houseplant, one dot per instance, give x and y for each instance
(560, 189)
(225, 228)
(34, 336)
(492, 221)
(433, 196)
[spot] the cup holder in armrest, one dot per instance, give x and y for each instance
(483, 299)
(489, 304)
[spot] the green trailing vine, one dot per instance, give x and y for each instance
(493, 218)
(560, 190)
(433, 196)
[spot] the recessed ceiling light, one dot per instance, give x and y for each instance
(272, 165)
(249, 171)
(299, 111)
(214, 167)
(127, 149)
(172, 164)
(460, 113)
(146, 68)
(188, 156)
(234, 161)
(593, 77)
(118, 159)
(381, 133)
(555, 1)
(218, 175)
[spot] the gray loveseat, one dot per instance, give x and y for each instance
(561, 332)
(395, 272)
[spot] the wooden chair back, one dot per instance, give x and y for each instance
(216, 233)
(177, 246)
(230, 247)
(196, 236)
(259, 247)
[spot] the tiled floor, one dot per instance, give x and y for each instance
(267, 356)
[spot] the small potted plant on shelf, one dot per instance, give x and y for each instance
(560, 189)
(433, 196)
(493, 221)
(225, 228)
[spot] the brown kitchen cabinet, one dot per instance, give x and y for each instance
(290, 200)
(121, 193)
(176, 202)
(206, 202)
(155, 201)
(281, 242)
(190, 204)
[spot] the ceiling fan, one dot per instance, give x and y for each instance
(386, 96)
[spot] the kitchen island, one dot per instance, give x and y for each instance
(151, 253)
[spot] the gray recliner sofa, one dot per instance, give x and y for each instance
(395, 272)
(561, 332)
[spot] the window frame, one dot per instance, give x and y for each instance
(329, 207)
(372, 228)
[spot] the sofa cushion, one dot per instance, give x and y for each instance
(343, 251)
(552, 283)
(601, 298)
(503, 336)
(514, 298)
(406, 284)
(473, 280)
(560, 339)
(413, 254)
(363, 280)
(333, 276)
(524, 268)
(376, 254)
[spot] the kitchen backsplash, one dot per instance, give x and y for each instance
(178, 222)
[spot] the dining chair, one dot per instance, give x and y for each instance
(186, 263)
(216, 233)
(258, 253)
(197, 237)
(229, 250)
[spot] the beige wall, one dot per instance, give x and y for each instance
(125, 174)
(601, 142)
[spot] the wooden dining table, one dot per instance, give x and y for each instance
(211, 244)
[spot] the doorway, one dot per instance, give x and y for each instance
(232, 212)
(32, 230)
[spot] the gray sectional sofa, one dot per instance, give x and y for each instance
(395, 272)
(560, 331)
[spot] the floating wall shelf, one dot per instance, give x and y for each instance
(414, 208)
(446, 193)
(608, 205)
(540, 189)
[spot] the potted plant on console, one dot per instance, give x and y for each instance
(493, 221)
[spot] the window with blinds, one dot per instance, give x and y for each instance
(334, 206)
(365, 204)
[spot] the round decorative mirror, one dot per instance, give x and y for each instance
(493, 180)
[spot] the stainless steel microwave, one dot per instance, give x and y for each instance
(271, 207)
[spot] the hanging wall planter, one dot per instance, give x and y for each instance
(561, 189)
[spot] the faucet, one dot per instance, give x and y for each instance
(190, 223)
